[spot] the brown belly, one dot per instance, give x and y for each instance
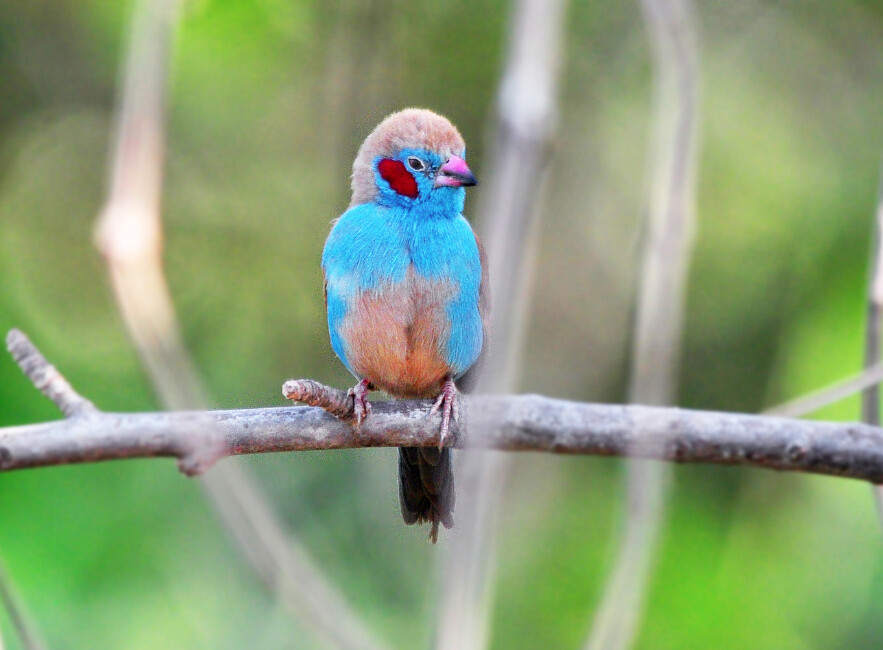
(396, 337)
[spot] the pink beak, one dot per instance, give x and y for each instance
(455, 173)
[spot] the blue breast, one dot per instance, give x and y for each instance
(371, 249)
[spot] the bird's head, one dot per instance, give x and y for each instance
(413, 157)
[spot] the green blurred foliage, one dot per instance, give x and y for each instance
(269, 101)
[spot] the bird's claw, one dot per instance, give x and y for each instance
(446, 402)
(361, 405)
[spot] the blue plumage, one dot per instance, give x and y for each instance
(371, 248)
(404, 286)
(363, 252)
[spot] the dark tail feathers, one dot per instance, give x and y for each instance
(426, 487)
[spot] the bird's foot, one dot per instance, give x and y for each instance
(446, 402)
(361, 405)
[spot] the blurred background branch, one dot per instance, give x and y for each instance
(659, 315)
(798, 407)
(25, 629)
(129, 235)
(514, 184)
(268, 102)
(129, 230)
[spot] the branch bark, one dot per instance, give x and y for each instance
(506, 422)
(45, 377)
(510, 423)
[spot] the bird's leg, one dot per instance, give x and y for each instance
(361, 405)
(447, 403)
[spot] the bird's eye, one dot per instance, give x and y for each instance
(416, 164)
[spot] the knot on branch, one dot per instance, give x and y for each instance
(197, 456)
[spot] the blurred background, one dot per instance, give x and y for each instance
(269, 101)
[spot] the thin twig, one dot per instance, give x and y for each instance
(337, 402)
(660, 308)
(873, 333)
(21, 623)
(129, 234)
(45, 377)
(54, 386)
(527, 106)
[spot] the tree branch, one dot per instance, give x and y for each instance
(508, 422)
(511, 423)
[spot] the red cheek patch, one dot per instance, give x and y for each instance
(398, 177)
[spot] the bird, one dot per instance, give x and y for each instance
(405, 280)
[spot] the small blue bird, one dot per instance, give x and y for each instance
(405, 288)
